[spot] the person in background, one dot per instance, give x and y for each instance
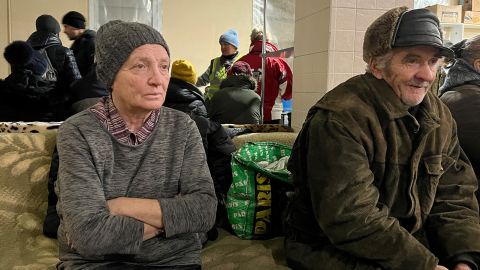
(184, 96)
(83, 46)
(278, 76)
(46, 40)
(133, 183)
(24, 94)
(86, 92)
(381, 181)
(461, 93)
(442, 71)
(236, 102)
(217, 70)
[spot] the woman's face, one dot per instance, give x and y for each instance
(227, 48)
(140, 85)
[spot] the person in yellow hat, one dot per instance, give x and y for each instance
(183, 95)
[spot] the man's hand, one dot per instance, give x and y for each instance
(439, 267)
(462, 266)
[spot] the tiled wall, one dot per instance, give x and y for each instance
(328, 46)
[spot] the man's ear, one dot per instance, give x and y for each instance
(476, 65)
(372, 65)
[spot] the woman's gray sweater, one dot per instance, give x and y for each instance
(169, 166)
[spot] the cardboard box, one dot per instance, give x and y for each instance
(447, 14)
(471, 17)
(471, 5)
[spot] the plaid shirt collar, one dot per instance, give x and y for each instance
(107, 114)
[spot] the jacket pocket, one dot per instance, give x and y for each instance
(435, 166)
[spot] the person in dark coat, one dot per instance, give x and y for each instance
(83, 46)
(184, 96)
(61, 58)
(461, 93)
(24, 94)
(236, 102)
(381, 181)
(86, 92)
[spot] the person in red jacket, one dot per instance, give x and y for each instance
(278, 77)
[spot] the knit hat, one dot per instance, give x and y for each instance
(20, 55)
(401, 27)
(184, 70)
(74, 19)
(116, 40)
(47, 23)
(230, 37)
(240, 67)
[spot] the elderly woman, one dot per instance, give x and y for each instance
(134, 186)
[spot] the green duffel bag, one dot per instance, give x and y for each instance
(258, 193)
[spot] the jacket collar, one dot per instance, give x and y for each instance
(179, 90)
(41, 39)
(394, 107)
(379, 94)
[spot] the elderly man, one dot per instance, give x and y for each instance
(133, 183)
(381, 180)
(278, 76)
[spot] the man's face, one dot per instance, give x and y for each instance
(71, 32)
(410, 72)
(140, 85)
(227, 48)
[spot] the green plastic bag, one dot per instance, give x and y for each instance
(257, 197)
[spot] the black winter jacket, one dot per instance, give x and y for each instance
(186, 97)
(27, 97)
(62, 60)
(61, 57)
(84, 50)
(461, 93)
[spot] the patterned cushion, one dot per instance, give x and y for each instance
(24, 166)
(28, 127)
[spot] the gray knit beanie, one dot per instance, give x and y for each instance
(115, 41)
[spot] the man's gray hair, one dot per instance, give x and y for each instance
(382, 61)
(257, 34)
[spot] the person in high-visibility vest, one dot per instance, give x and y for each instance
(217, 70)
